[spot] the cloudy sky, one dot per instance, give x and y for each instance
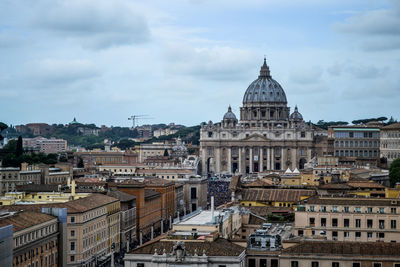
(182, 61)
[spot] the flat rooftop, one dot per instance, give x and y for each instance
(202, 218)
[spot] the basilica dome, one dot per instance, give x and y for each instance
(230, 115)
(296, 115)
(264, 89)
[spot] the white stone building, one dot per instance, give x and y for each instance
(267, 136)
(390, 142)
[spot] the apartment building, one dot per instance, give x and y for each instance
(154, 149)
(45, 145)
(167, 191)
(100, 157)
(349, 219)
(361, 142)
(340, 254)
(148, 208)
(390, 142)
(93, 225)
(11, 177)
(128, 217)
(34, 237)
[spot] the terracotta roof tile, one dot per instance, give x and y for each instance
(362, 201)
(345, 248)
(25, 219)
(278, 195)
(219, 247)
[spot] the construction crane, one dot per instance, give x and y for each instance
(134, 119)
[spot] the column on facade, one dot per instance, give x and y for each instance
(229, 159)
(272, 158)
(217, 160)
(204, 161)
(294, 158)
(309, 152)
(283, 158)
(268, 158)
(260, 160)
(240, 159)
(251, 159)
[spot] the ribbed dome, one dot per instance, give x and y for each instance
(296, 115)
(264, 89)
(230, 115)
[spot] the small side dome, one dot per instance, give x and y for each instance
(230, 115)
(296, 115)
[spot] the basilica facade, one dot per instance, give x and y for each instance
(266, 136)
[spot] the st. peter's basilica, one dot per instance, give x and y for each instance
(267, 137)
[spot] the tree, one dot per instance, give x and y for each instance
(3, 126)
(20, 150)
(391, 121)
(394, 172)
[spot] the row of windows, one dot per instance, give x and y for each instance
(357, 223)
(356, 134)
(337, 264)
(356, 143)
(357, 153)
(26, 238)
(352, 209)
(391, 144)
(390, 135)
(27, 256)
(393, 155)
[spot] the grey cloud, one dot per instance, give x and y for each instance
(9, 40)
(367, 72)
(97, 24)
(216, 63)
(375, 22)
(375, 30)
(365, 92)
(380, 44)
(306, 75)
(59, 73)
(357, 70)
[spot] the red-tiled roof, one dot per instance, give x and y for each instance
(374, 249)
(25, 219)
(277, 195)
(218, 247)
(361, 201)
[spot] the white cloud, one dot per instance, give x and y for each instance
(96, 24)
(374, 30)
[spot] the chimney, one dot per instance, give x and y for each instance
(24, 166)
(212, 208)
(73, 188)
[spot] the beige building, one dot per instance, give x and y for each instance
(154, 149)
(93, 225)
(167, 173)
(45, 145)
(267, 136)
(11, 177)
(340, 254)
(349, 219)
(390, 142)
(360, 142)
(35, 237)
